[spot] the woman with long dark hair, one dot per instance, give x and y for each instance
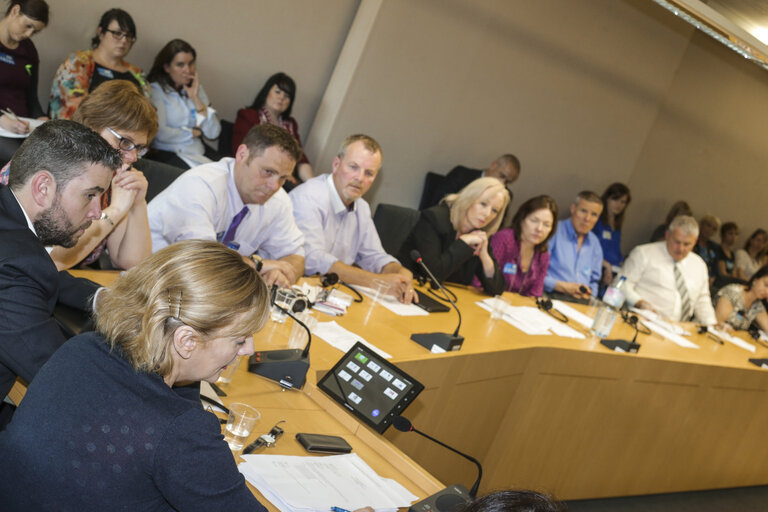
(616, 198)
(184, 114)
(273, 104)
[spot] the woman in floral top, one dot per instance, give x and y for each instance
(83, 71)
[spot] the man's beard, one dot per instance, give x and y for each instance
(54, 228)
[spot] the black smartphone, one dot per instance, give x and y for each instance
(319, 443)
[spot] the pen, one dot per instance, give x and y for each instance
(338, 509)
(9, 113)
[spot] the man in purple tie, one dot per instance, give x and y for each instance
(241, 203)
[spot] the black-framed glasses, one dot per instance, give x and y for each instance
(126, 144)
(119, 35)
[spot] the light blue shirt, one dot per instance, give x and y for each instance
(176, 116)
(571, 264)
(201, 203)
(333, 232)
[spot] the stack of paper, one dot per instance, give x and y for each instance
(342, 339)
(573, 314)
(532, 321)
(306, 484)
(671, 331)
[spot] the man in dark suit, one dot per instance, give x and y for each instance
(505, 168)
(56, 181)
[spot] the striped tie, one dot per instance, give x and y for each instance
(682, 289)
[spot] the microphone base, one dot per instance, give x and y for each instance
(444, 341)
(621, 346)
(448, 500)
(286, 367)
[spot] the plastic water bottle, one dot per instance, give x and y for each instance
(613, 299)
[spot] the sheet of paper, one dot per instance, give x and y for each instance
(661, 329)
(660, 322)
(730, 338)
(392, 304)
(318, 483)
(573, 314)
(531, 320)
(342, 339)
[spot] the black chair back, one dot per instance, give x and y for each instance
(394, 224)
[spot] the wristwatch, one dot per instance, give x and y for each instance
(258, 260)
(104, 216)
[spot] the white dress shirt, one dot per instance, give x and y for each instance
(650, 274)
(201, 203)
(334, 232)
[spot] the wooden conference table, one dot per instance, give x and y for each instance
(557, 414)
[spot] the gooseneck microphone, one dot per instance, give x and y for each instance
(287, 367)
(404, 425)
(442, 340)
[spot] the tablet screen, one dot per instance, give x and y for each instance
(372, 388)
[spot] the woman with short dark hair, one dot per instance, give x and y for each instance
(83, 71)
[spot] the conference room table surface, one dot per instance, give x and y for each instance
(565, 415)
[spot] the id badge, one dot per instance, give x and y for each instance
(510, 268)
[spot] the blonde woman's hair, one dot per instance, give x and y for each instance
(197, 283)
(118, 104)
(461, 202)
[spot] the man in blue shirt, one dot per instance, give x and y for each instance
(576, 257)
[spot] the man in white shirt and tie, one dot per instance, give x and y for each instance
(239, 202)
(667, 277)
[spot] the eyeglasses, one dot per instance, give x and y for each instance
(119, 34)
(126, 144)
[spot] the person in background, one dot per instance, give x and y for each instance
(19, 70)
(183, 111)
(726, 262)
(240, 203)
(576, 260)
(707, 248)
(83, 71)
(135, 431)
(54, 193)
(616, 198)
(669, 278)
(748, 258)
(739, 305)
(513, 501)
(677, 209)
(521, 251)
(452, 237)
(339, 234)
(506, 168)
(273, 104)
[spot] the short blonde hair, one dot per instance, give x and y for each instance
(461, 202)
(120, 105)
(197, 283)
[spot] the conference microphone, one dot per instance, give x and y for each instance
(445, 341)
(451, 497)
(287, 367)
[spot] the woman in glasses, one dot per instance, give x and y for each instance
(83, 71)
(118, 112)
(113, 420)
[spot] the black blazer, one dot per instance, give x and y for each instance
(30, 287)
(449, 258)
(457, 179)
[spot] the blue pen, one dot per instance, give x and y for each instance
(338, 509)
